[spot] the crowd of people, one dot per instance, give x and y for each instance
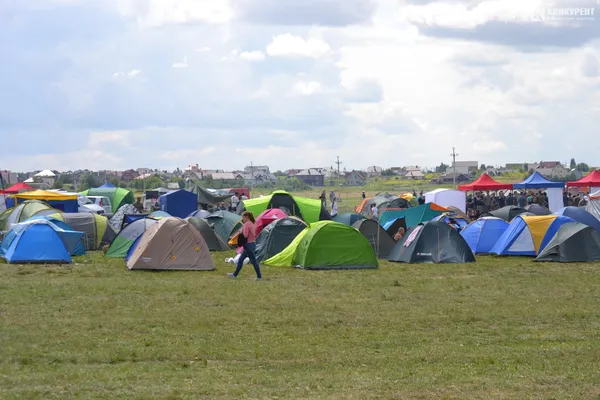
(483, 202)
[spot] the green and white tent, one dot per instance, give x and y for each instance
(309, 210)
(118, 196)
(327, 245)
(127, 237)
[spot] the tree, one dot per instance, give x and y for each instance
(442, 168)
(483, 167)
(116, 182)
(583, 167)
(387, 172)
(573, 164)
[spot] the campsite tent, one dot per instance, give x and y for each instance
(447, 198)
(537, 209)
(507, 213)
(592, 181)
(327, 245)
(108, 185)
(179, 203)
(482, 235)
(455, 220)
(118, 197)
(432, 242)
(171, 244)
(414, 216)
(39, 241)
(128, 235)
(118, 220)
(574, 242)
(128, 219)
(276, 236)
(383, 201)
(268, 216)
(213, 241)
(204, 197)
(96, 229)
(23, 212)
(77, 249)
(200, 214)
(381, 242)
(224, 223)
(527, 236)
(580, 215)
(348, 218)
(309, 210)
(593, 206)
(484, 182)
(60, 201)
(18, 188)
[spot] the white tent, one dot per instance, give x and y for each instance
(46, 174)
(447, 198)
(593, 206)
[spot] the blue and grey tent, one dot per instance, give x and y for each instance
(482, 235)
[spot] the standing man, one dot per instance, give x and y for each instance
(235, 202)
(374, 212)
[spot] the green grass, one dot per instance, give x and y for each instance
(497, 329)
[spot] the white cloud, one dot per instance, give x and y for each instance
(181, 64)
(254, 56)
(131, 74)
(156, 13)
(307, 88)
(203, 49)
(288, 45)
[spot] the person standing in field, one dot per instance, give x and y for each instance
(235, 202)
(247, 239)
(374, 212)
(334, 208)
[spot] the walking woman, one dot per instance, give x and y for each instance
(247, 240)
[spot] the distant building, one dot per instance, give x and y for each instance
(223, 176)
(173, 186)
(8, 178)
(449, 178)
(374, 171)
(415, 174)
(464, 167)
(491, 171)
(553, 169)
(144, 171)
(192, 168)
(129, 175)
(256, 168)
(256, 178)
(356, 178)
(311, 177)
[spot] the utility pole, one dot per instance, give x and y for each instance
(338, 162)
(454, 166)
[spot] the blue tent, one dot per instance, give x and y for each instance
(108, 185)
(482, 235)
(528, 236)
(179, 203)
(78, 248)
(580, 215)
(36, 242)
(537, 181)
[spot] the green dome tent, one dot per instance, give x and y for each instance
(23, 212)
(309, 210)
(224, 223)
(118, 196)
(327, 245)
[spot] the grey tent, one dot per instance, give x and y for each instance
(121, 246)
(432, 242)
(205, 197)
(381, 242)
(507, 213)
(537, 209)
(213, 241)
(348, 218)
(574, 242)
(224, 223)
(276, 236)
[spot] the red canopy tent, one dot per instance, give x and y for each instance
(484, 182)
(591, 180)
(18, 188)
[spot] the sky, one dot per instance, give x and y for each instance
(117, 84)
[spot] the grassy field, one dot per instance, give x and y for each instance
(497, 329)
